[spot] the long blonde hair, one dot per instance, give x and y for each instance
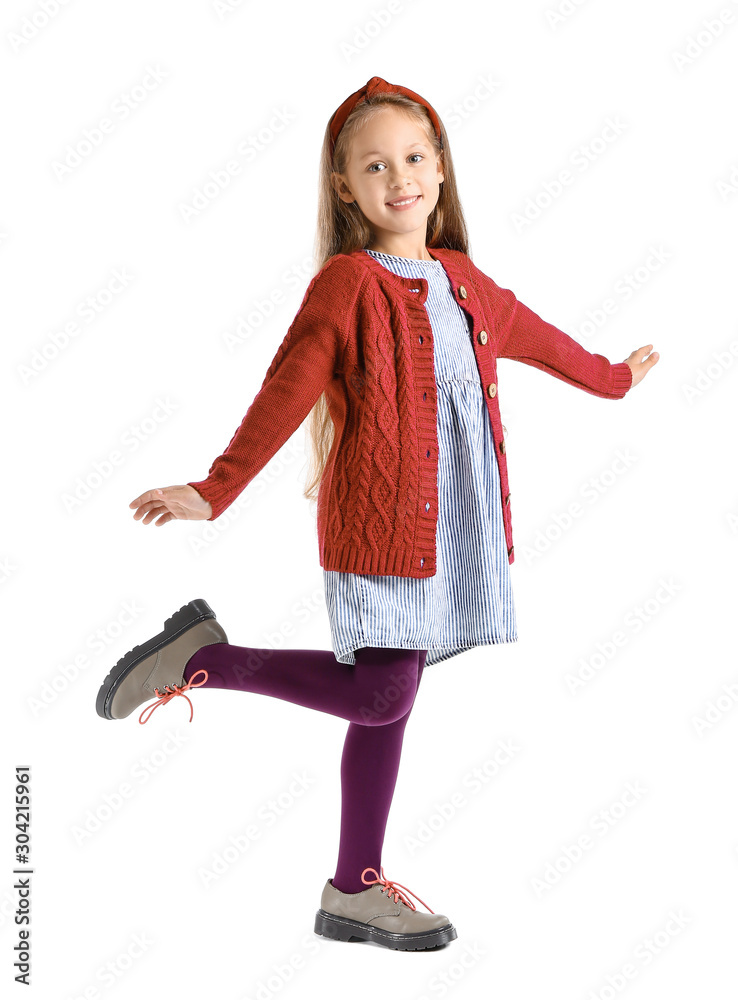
(343, 228)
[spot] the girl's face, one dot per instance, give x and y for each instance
(391, 160)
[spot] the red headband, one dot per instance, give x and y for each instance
(375, 86)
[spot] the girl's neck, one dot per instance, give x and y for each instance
(427, 256)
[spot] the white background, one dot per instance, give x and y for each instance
(520, 95)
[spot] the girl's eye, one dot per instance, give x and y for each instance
(372, 165)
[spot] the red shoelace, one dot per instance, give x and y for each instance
(171, 691)
(393, 889)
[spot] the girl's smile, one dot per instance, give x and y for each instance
(400, 204)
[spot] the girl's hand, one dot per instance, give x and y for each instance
(183, 502)
(638, 367)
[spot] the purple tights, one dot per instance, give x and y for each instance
(375, 695)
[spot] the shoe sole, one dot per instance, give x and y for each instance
(187, 616)
(343, 929)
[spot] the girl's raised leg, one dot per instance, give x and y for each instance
(377, 690)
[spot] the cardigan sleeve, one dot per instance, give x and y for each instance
(301, 369)
(524, 336)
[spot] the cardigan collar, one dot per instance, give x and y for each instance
(405, 284)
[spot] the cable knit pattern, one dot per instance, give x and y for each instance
(362, 336)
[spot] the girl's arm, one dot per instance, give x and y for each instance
(524, 336)
(301, 369)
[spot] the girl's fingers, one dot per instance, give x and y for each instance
(164, 512)
(146, 509)
(643, 355)
(649, 356)
(155, 512)
(149, 517)
(147, 505)
(144, 498)
(160, 503)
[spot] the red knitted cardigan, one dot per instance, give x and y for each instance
(362, 335)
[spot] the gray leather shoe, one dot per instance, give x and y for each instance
(381, 913)
(156, 668)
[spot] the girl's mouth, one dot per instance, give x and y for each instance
(405, 203)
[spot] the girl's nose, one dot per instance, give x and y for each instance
(398, 178)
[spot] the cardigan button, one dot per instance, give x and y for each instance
(462, 291)
(492, 390)
(482, 337)
(507, 499)
(502, 447)
(509, 551)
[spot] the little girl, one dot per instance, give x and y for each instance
(393, 355)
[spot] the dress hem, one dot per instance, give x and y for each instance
(452, 649)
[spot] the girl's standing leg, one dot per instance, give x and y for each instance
(369, 766)
(376, 695)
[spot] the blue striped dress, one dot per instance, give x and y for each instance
(469, 600)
